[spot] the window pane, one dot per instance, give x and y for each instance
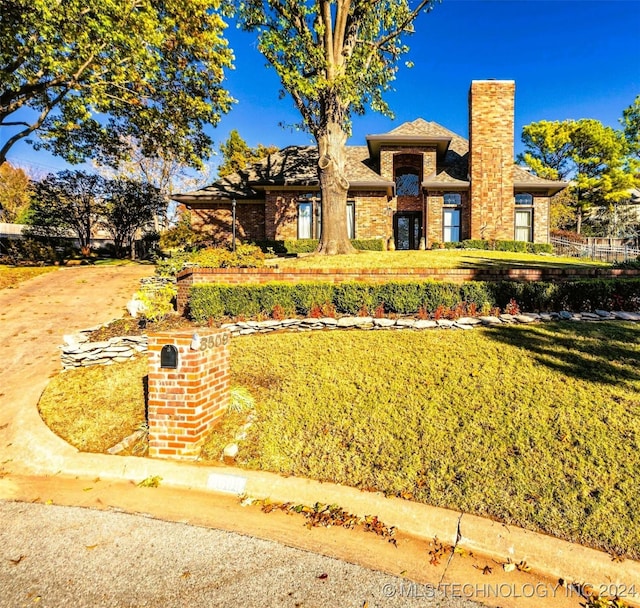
(304, 220)
(523, 225)
(351, 219)
(452, 198)
(451, 231)
(524, 199)
(407, 184)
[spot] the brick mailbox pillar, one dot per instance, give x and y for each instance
(188, 390)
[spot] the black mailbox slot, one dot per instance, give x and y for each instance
(169, 356)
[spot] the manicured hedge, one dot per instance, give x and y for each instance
(290, 247)
(514, 246)
(408, 297)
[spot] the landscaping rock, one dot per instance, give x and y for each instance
(409, 323)
(384, 322)
(230, 453)
(490, 320)
(446, 323)
(525, 319)
(605, 314)
(459, 325)
(626, 316)
(565, 315)
(469, 321)
(425, 324)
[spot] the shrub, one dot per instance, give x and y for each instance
(157, 300)
(349, 297)
(292, 247)
(410, 297)
(475, 244)
(311, 294)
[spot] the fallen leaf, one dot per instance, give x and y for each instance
(15, 562)
(87, 489)
(508, 567)
(49, 502)
(323, 576)
(90, 547)
(185, 574)
(523, 567)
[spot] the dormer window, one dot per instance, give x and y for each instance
(407, 182)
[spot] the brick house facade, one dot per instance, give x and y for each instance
(418, 184)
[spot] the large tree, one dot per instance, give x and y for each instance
(334, 58)
(68, 204)
(85, 75)
(237, 154)
(15, 194)
(593, 156)
(631, 125)
(129, 206)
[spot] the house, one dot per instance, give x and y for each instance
(419, 183)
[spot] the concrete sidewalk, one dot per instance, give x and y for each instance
(37, 465)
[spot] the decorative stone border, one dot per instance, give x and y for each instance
(79, 352)
(243, 328)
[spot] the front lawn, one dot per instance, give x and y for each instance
(535, 425)
(11, 276)
(441, 258)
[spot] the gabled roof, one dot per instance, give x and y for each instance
(416, 132)
(294, 166)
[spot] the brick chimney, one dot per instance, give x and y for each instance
(491, 131)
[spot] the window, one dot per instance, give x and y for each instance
(407, 182)
(351, 219)
(451, 217)
(524, 199)
(451, 231)
(307, 223)
(305, 220)
(524, 225)
(452, 198)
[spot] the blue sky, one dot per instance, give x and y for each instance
(569, 59)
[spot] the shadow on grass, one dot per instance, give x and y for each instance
(541, 264)
(602, 352)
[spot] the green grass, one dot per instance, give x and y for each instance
(535, 426)
(11, 276)
(94, 408)
(443, 258)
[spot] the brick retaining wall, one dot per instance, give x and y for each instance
(252, 276)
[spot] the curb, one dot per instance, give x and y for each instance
(549, 557)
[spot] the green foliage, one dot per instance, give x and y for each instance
(295, 246)
(208, 301)
(475, 244)
(533, 425)
(597, 158)
(350, 297)
(236, 154)
(245, 256)
(180, 235)
(517, 246)
(128, 206)
(150, 70)
(631, 125)
(69, 202)
(157, 300)
(15, 194)
(368, 244)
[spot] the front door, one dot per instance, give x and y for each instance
(407, 229)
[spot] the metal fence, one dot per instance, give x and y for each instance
(595, 251)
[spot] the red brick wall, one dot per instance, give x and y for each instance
(214, 222)
(491, 131)
(184, 403)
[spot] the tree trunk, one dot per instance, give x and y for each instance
(334, 185)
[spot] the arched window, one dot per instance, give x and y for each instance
(407, 182)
